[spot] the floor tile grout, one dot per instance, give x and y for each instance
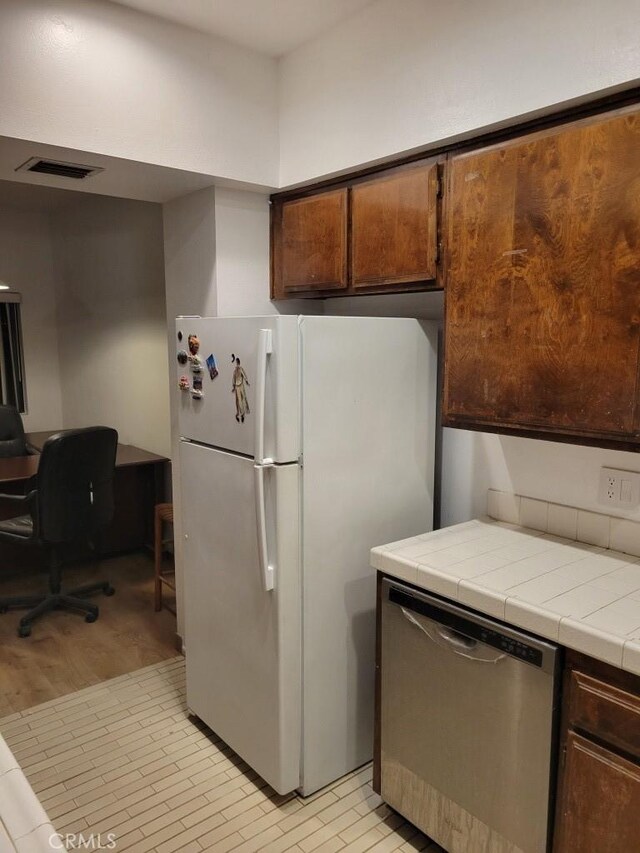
(136, 764)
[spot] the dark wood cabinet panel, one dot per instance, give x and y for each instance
(543, 282)
(598, 804)
(599, 801)
(312, 244)
(605, 711)
(394, 229)
(377, 235)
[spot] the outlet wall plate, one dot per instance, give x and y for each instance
(619, 488)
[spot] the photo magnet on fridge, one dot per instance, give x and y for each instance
(211, 364)
(239, 385)
(197, 383)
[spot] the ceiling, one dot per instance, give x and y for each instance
(273, 27)
(121, 178)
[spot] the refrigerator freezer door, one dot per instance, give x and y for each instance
(224, 408)
(242, 640)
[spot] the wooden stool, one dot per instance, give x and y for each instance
(163, 513)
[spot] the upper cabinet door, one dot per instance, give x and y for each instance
(312, 234)
(393, 228)
(543, 282)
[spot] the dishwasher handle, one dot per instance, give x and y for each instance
(455, 639)
(457, 643)
(459, 621)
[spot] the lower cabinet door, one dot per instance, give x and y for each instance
(599, 806)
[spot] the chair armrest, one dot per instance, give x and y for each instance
(19, 498)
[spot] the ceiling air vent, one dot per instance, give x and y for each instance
(58, 168)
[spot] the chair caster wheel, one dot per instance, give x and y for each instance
(24, 631)
(108, 590)
(91, 617)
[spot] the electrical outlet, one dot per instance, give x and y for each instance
(619, 488)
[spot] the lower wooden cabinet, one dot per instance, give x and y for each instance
(600, 800)
(598, 806)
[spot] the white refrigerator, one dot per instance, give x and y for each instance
(305, 441)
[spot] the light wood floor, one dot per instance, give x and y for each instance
(124, 758)
(64, 653)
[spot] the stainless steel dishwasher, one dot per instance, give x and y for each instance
(468, 724)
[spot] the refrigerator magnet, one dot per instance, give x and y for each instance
(182, 357)
(194, 344)
(197, 383)
(238, 388)
(213, 367)
(196, 394)
(179, 335)
(183, 383)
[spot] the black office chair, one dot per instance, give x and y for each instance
(72, 502)
(12, 437)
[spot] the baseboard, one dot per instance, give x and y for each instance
(179, 644)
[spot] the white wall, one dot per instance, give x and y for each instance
(26, 264)
(242, 253)
(403, 74)
(99, 77)
(111, 318)
(426, 306)
(189, 225)
(563, 473)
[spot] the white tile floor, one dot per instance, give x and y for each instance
(123, 757)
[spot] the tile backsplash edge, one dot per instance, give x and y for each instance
(581, 525)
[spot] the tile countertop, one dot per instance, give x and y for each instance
(24, 825)
(581, 596)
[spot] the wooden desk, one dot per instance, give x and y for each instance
(17, 469)
(138, 487)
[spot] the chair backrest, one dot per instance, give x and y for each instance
(12, 440)
(75, 484)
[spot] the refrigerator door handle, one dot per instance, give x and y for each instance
(265, 348)
(261, 522)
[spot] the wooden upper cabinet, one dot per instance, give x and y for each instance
(393, 228)
(310, 243)
(372, 235)
(543, 282)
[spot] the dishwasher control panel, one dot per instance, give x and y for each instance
(510, 645)
(473, 627)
